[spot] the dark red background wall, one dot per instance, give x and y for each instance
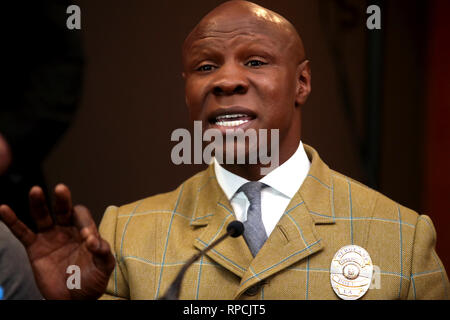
(437, 148)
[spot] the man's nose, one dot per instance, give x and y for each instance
(230, 80)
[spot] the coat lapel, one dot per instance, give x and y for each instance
(293, 239)
(214, 213)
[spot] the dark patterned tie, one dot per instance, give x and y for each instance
(254, 233)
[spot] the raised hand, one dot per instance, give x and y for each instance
(70, 239)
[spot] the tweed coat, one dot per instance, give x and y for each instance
(151, 239)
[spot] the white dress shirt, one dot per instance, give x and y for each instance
(283, 182)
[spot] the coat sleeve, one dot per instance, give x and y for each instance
(117, 286)
(428, 277)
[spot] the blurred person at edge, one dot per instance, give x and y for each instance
(41, 77)
(16, 277)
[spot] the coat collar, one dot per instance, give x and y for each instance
(293, 239)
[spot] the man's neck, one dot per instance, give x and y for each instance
(252, 172)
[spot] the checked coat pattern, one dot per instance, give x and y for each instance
(152, 238)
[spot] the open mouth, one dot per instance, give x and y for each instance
(232, 120)
(231, 117)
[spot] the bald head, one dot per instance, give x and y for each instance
(247, 64)
(234, 16)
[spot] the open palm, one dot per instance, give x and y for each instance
(70, 239)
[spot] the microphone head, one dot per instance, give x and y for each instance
(235, 228)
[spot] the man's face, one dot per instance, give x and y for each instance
(239, 74)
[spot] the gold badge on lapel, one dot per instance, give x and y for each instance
(351, 272)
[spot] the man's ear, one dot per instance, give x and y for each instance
(303, 87)
(183, 75)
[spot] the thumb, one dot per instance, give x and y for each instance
(101, 252)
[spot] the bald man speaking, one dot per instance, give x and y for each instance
(310, 232)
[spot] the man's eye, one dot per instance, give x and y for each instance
(205, 67)
(255, 63)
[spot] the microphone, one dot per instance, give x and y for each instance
(234, 229)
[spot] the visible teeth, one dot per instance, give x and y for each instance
(231, 123)
(230, 116)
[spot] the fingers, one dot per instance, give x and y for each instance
(100, 249)
(97, 245)
(85, 225)
(103, 258)
(63, 205)
(83, 221)
(17, 227)
(39, 210)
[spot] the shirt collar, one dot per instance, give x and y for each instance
(285, 179)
